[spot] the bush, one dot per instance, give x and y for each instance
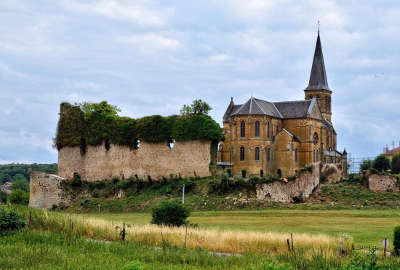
(19, 197)
(244, 172)
(366, 165)
(3, 197)
(396, 240)
(21, 184)
(135, 265)
(10, 222)
(381, 163)
(396, 163)
(170, 213)
(76, 180)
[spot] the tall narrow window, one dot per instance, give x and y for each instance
(269, 130)
(295, 155)
(268, 154)
(242, 129)
(313, 157)
(257, 129)
(257, 153)
(317, 157)
(241, 153)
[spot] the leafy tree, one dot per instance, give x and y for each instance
(10, 222)
(366, 165)
(197, 107)
(19, 197)
(19, 176)
(396, 163)
(381, 163)
(170, 213)
(103, 108)
(21, 184)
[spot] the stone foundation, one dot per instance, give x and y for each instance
(296, 190)
(382, 183)
(46, 191)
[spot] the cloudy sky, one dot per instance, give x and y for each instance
(150, 57)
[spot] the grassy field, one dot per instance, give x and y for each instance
(367, 227)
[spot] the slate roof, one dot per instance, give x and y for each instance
(318, 78)
(282, 110)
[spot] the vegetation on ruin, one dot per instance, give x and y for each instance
(97, 123)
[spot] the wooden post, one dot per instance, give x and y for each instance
(291, 236)
(384, 247)
(288, 244)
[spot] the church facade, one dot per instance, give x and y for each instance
(280, 138)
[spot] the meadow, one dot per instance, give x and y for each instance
(366, 227)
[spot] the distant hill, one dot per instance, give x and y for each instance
(9, 172)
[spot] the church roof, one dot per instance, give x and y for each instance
(318, 78)
(282, 110)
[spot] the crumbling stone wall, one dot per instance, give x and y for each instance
(157, 160)
(46, 190)
(332, 172)
(382, 183)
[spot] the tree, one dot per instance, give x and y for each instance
(19, 176)
(396, 240)
(10, 222)
(396, 163)
(366, 165)
(170, 213)
(197, 107)
(21, 184)
(103, 108)
(19, 197)
(381, 163)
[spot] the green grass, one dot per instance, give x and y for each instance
(367, 227)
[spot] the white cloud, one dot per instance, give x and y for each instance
(151, 42)
(139, 12)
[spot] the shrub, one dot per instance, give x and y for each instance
(396, 163)
(76, 180)
(170, 213)
(21, 184)
(396, 240)
(244, 172)
(135, 265)
(19, 197)
(10, 222)
(381, 163)
(3, 197)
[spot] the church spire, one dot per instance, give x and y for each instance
(318, 79)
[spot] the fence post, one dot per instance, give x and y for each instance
(288, 244)
(291, 236)
(185, 234)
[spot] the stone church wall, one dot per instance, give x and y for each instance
(157, 160)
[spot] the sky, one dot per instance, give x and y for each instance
(151, 57)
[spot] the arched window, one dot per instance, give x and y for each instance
(295, 155)
(257, 153)
(241, 153)
(268, 130)
(317, 157)
(242, 129)
(268, 154)
(257, 129)
(313, 157)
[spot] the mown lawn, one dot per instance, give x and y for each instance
(367, 227)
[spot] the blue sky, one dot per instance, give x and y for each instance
(151, 57)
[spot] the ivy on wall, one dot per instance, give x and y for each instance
(95, 124)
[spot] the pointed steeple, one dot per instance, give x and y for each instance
(318, 78)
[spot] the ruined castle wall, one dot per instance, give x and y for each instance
(382, 183)
(296, 190)
(187, 158)
(46, 190)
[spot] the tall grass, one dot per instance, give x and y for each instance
(210, 239)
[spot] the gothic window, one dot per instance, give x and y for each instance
(268, 154)
(313, 157)
(242, 129)
(268, 130)
(317, 157)
(241, 153)
(257, 153)
(315, 138)
(327, 140)
(257, 129)
(295, 155)
(327, 103)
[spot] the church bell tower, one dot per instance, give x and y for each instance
(318, 84)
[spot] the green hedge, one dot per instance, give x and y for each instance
(75, 128)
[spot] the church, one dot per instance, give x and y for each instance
(280, 138)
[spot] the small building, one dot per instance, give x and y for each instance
(280, 138)
(391, 153)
